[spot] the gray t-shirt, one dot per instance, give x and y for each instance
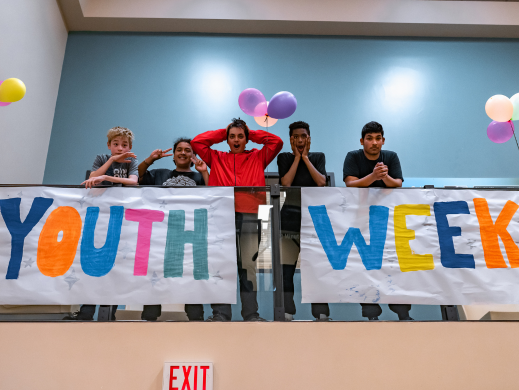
(123, 170)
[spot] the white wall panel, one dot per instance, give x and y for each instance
(33, 37)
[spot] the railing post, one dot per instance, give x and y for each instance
(104, 313)
(277, 269)
(449, 313)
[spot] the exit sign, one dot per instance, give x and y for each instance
(188, 376)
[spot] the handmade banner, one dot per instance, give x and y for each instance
(422, 246)
(117, 245)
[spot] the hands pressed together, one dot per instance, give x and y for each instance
(380, 171)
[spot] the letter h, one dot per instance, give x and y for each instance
(178, 237)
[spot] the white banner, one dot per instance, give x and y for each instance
(421, 246)
(117, 245)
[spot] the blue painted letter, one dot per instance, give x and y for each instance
(371, 255)
(94, 261)
(10, 209)
(448, 257)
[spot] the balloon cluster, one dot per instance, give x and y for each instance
(266, 114)
(502, 111)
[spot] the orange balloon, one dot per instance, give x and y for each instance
(265, 121)
(499, 108)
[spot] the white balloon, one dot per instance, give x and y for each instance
(515, 101)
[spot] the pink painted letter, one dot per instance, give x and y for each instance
(145, 219)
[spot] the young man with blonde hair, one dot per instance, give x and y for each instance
(118, 168)
(121, 166)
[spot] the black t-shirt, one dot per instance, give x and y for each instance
(302, 177)
(291, 211)
(169, 178)
(357, 164)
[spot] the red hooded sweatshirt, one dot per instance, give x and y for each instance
(239, 169)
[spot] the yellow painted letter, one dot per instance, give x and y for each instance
(408, 260)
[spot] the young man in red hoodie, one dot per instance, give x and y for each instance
(240, 167)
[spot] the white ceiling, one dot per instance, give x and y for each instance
(496, 19)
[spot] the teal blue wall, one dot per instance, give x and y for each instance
(429, 94)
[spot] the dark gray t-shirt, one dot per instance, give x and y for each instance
(169, 178)
(358, 165)
(122, 170)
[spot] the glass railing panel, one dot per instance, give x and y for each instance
(254, 254)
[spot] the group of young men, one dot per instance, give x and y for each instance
(367, 167)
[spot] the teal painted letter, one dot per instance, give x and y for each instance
(178, 236)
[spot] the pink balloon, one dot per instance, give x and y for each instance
(500, 132)
(2, 104)
(252, 102)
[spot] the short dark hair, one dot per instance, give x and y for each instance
(179, 140)
(299, 125)
(240, 123)
(372, 127)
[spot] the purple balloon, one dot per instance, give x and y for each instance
(500, 132)
(2, 104)
(252, 102)
(282, 105)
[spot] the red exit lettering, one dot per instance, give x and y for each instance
(188, 376)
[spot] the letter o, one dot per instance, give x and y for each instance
(54, 257)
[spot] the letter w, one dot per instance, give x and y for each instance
(371, 255)
(177, 237)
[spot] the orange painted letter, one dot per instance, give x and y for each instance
(490, 232)
(54, 257)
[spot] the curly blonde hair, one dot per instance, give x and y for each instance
(120, 132)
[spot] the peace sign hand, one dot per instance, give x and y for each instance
(157, 154)
(200, 165)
